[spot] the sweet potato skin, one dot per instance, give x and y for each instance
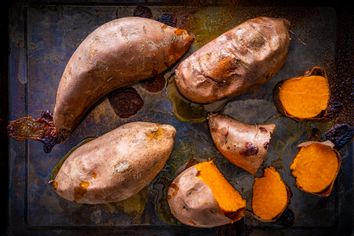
(116, 165)
(192, 202)
(243, 145)
(247, 55)
(118, 53)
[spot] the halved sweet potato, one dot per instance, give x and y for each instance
(201, 197)
(315, 167)
(270, 196)
(305, 97)
(243, 145)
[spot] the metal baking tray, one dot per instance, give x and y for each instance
(42, 37)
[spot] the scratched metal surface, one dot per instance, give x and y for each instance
(43, 37)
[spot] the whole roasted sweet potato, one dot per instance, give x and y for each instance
(118, 53)
(201, 197)
(244, 56)
(116, 165)
(242, 144)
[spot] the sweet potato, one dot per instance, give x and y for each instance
(116, 165)
(118, 53)
(315, 167)
(305, 97)
(270, 196)
(247, 55)
(243, 145)
(201, 197)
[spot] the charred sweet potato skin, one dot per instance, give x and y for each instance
(118, 53)
(243, 57)
(117, 165)
(243, 145)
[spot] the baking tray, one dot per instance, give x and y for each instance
(43, 35)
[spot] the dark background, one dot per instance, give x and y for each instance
(344, 63)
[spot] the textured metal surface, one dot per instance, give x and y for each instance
(43, 37)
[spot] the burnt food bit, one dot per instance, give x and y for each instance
(125, 102)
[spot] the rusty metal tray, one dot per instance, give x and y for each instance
(44, 34)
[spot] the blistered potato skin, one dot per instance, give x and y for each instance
(118, 53)
(191, 201)
(242, 144)
(231, 64)
(116, 165)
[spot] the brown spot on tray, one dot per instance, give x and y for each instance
(125, 102)
(154, 84)
(142, 11)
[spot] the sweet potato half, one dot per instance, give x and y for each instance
(270, 196)
(118, 53)
(201, 197)
(243, 145)
(247, 55)
(305, 97)
(315, 167)
(116, 165)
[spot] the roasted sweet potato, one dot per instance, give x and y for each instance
(118, 53)
(247, 55)
(243, 145)
(305, 97)
(201, 197)
(270, 196)
(315, 167)
(116, 165)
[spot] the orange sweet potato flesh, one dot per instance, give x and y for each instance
(245, 56)
(242, 144)
(315, 167)
(270, 195)
(227, 197)
(118, 53)
(305, 97)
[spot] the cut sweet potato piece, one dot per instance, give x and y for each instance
(315, 167)
(201, 197)
(243, 145)
(270, 196)
(305, 97)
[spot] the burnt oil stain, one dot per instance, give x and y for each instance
(125, 102)
(168, 19)
(142, 11)
(183, 109)
(154, 84)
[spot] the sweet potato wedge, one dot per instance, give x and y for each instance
(247, 55)
(270, 196)
(116, 165)
(201, 197)
(243, 145)
(315, 167)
